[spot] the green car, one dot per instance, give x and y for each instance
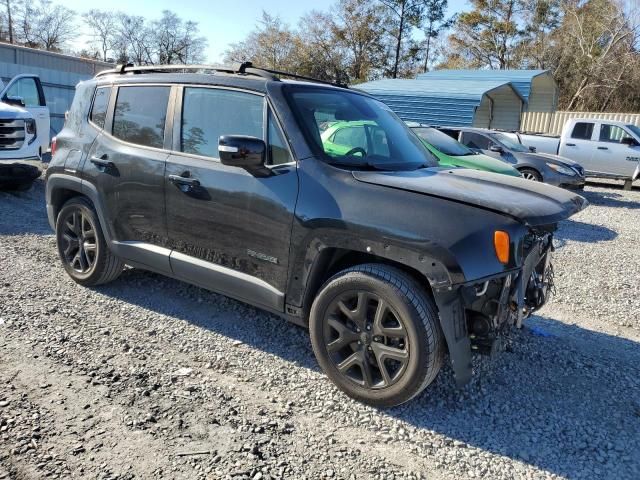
(452, 153)
(366, 139)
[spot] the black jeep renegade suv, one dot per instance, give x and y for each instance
(224, 178)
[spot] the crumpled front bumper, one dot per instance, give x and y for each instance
(503, 300)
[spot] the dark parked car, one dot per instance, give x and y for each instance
(219, 178)
(539, 167)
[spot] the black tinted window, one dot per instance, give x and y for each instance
(140, 114)
(100, 105)
(582, 131)
(278, 152)
(208, 113)
(475, 140)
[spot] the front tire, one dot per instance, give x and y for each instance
(376, 334)
(82, 247)
(531, 174)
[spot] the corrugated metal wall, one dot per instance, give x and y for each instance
(552, 123)
(507, 108)
(58, 73)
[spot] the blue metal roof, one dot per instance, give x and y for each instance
(520, 79)
(434, 102)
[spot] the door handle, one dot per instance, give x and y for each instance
(180, 180)
(42, 115)
(102, 162)
(603, 148)
(570, 144)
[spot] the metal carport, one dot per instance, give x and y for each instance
(477, 103)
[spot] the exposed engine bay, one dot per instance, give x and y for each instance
(503, 302)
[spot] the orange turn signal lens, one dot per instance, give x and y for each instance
(501, 244)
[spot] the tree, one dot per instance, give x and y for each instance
(47, 26)
(597, 56)
(176, 41)
(541, 18)
(318, 52)
(488, 35)
(406, 14)
(269, 45)
(435, 23)
(9, 6)
(358, 28)
(102, 25)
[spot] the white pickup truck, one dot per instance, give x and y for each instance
(24, 131)
(605, 148)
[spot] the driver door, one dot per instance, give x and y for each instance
(29, 89)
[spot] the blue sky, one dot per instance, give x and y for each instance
(222, 22)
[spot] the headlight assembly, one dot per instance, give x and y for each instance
(562, 170)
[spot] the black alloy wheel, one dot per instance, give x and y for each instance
(79, 247)
(82, 247)
(376, 334)
(366, 340)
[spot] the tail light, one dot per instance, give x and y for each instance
(54, 144)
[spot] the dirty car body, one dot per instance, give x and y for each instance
(275, 233)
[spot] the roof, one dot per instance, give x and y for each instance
(520, 79)
(439, 102)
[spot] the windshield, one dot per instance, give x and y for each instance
(442, 142)
(509, 144)
(635, 130)
(356, 130)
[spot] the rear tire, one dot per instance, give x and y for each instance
(82, 247)
(531, 174)
(376, 334)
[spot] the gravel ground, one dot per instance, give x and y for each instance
(152, 378)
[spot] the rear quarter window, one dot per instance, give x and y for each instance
(100, 105)
(140, 115)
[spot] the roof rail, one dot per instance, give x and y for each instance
(244, 68)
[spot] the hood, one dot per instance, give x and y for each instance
(531, 203)
(486, 163)
(11, 111)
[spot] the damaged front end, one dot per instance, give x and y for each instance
(474, 316)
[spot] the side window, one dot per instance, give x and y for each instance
(100, 105)
(379, 143)
(209, 113)
(140, 114)
(351, 137)
(475, 140)
(582, 131)
(278, 151)
(27, 89)
(612, 133)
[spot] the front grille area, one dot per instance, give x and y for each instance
(12, 134)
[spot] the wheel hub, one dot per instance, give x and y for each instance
(366, 339)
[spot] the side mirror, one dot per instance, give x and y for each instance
(496, 148)
(17, 101)
(532, 149)
(241, 151)
(632, 142)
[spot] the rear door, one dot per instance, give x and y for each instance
(610, 155)
(29, 89)
(229, 229)
(126, 165)
(578, 145)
